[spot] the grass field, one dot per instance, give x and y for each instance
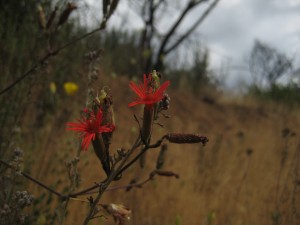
(248, 173)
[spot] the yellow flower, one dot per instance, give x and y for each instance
(70, 88)
(52, 87)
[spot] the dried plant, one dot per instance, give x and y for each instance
(95, 128)
(97, 125)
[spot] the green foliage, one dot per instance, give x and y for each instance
(196, 78)
(286, 94)
(120, 52)
(28, 104)
(23, 43)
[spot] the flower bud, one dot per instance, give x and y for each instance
(161, 157)
(51, 18)
(105, 101)
(180, 138)
(66, 13)
(102, 153)
(166, 173)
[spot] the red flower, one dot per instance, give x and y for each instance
(146, 94)
(89, 126)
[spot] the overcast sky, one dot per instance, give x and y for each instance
(230, 30)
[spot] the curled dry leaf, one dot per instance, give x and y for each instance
(120, 213)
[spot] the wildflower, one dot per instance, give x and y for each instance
(70, 88)
(89, 126)
(147, 94)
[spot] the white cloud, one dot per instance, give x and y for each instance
(234, 25)
(231, 28)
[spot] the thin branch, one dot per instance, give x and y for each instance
(31, 70)
(49, 55)
(191, 30)
(33, 179)
(129, 185)
(146, 148)
(83, 192)
(91, 213)
(140, 184)
(112, 176)
(103, 186)
(191, 4)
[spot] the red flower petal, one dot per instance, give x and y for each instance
(89, 127)
(145, 92)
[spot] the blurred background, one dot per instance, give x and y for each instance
(234, 72)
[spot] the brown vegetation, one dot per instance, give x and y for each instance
(247, 174)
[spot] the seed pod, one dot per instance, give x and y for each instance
(51, 18)
(161, 157)
(180, 138)
(102, 153)
(166, 173)
(66, 13)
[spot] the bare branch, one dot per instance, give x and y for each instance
(191, 4)
(33, 179)
(195, 25)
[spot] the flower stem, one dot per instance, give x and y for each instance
(91, 213)
(146, 130)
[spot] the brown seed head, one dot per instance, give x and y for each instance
(180, 138)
